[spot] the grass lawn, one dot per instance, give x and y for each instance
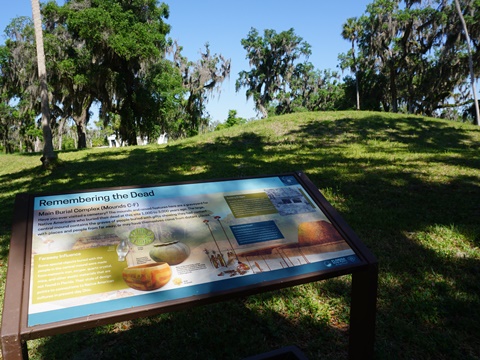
(409, 187)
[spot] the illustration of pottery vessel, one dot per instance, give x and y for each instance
(147, 277)
(173, 252)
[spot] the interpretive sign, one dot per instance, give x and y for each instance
(93, 256)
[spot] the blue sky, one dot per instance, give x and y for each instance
(224, 23)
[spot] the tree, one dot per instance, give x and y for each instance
(232, 120)
(161, 94)
(6, 110)
(201, 79)
(350, 30)
(136, 38)
(311, 90)
(7, 121)
(48, 152)
(72, 70)
(112, 53)
(470, 63)
(414, 52)
(19, 78)
(371, 86)
(272, 59)
(381, 27)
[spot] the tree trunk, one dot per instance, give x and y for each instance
(470, 64)
(358, 91)
(393, 87)
(356, 75)
(82, 136)
(4, 135)
(262, 109)
(37, 145)
(81, 119)
(61, 126)
(48, 152)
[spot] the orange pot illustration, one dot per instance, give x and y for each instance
(147, 277)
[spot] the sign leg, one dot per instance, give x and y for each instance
(362, 313)
(13, 348)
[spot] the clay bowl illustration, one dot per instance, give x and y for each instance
(173, 252)
(147, 277)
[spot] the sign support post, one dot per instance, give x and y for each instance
(13, 346)
(363, 313)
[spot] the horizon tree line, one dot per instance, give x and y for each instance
(406, 56)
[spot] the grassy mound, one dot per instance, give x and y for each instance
(409, 186)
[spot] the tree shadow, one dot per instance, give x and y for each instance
(229, 330)
(417, 133)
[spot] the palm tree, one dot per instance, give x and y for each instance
(350, 32)
(48, 152)
(470, 63)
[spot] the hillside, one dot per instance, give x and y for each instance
(409, 187)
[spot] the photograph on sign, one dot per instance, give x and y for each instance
(100, 251)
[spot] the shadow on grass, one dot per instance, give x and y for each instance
(220, 331)
(421, 134)
(428, 304)
(424, 293)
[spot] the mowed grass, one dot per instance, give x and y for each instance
(408, 186)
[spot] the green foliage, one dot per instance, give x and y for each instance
(136, 38)
(161, 97)
(107, 52)
(279, 83)
(68, 143)
(113, 53)
(370, 88)
(201, 79)
(272, 57)
(232, 120)
(135, 29)
(312, 90)
(410, 55)
(7, 121)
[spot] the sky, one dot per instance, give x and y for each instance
(224, 23)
